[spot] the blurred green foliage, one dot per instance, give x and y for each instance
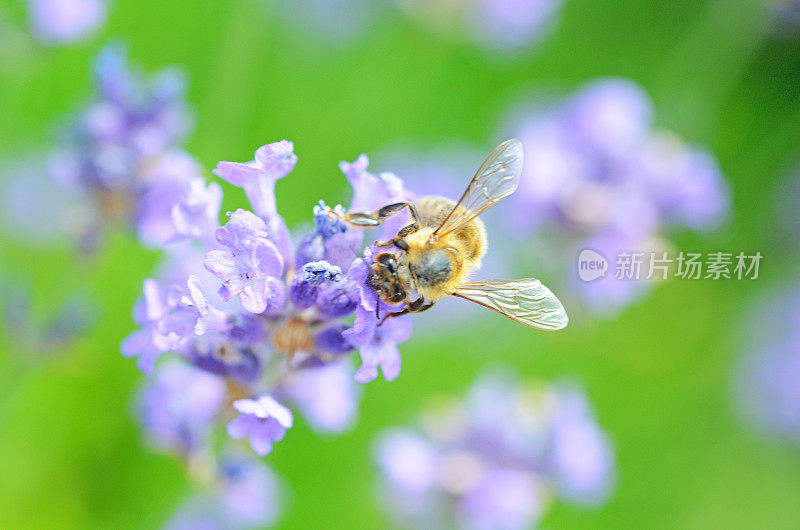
(720, 72)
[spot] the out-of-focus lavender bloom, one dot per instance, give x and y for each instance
(765, 384)
(34, 339)
(598, 176)
(607, 294)
(263, 421)
(64, 21)
(173, 207)
(74, 318)
(61, 213)
(495, 24)
(178, 406)
(123, 149)
(788, 15)
(514, 23)
(495, 459)
(247, 494)
(326, 394)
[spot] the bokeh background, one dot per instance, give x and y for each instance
(721, 73)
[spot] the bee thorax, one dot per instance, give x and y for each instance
(434, 267)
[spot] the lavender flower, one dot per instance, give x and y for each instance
(169, 320)
(124, 151)
(64, 21)
(236, 308)
(495, 459)
(263, 421)
(332, 241)
(251, 260)
(272, 162)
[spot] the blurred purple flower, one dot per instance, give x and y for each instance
(326, 395)
(247, 494)
(495, 459)
(64, 21)
(766, 389)
(174, 207)
(263, 421)
(32, 338)
(123, 149)
(580, 456)
(508, 24)
(178, 406)
(62, 213)
(496, 24)
(598, 176)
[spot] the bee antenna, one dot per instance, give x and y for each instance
(377, 306)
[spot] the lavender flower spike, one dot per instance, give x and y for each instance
(264, 421)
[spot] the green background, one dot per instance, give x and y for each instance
(721, 73)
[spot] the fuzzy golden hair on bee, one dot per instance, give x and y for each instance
(443, 245)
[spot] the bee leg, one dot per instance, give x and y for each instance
(417, 306)
(367, 219)
(399, 240)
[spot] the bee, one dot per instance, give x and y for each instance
(436, 253)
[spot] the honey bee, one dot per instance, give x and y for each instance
(436, 253)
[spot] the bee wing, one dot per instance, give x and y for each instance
(527, 301)
(496, 179)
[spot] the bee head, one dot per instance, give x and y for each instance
(383, 278)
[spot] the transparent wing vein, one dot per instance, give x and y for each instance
(496, 179)
(527, 301)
